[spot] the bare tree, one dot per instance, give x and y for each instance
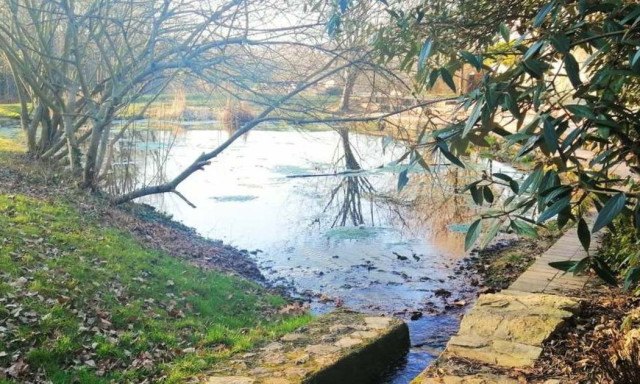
(79, 65)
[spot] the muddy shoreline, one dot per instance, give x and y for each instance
(152, 228)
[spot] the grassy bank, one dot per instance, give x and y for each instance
(84, 301)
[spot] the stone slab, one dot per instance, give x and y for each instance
(508, 328)
(469, 379)
(342, 347)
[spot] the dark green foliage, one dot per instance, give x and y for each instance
(568, 77)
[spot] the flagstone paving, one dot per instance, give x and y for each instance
(542, 278)
(508, 329)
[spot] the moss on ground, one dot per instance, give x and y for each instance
(84, 302)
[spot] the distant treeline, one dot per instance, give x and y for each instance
(8, 91)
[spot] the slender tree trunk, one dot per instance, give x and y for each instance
(46, 132)
(349, 158)
(347, 90)
(32, 129)
(104, 142)
(91, 157)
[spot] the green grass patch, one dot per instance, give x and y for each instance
(85, 302)
(11, 111)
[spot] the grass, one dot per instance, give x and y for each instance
(11, 111)
(84, 302)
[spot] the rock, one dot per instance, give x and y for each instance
(292, 337)
(322, 349)
(471, 379)
(277, 380)
(342, 347)
(377, 322)
(364, 334)
(230, 380)
(441, 292)
(347, 342)
(259, 371)
(274, 358)
(508, 328)
(338, 328)
(272, 347)
(295, 372)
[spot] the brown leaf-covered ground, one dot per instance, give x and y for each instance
(152, 228)
(91, 293)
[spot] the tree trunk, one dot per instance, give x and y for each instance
(32, 130)
(349, 158)
(347, 90)
(91, 157)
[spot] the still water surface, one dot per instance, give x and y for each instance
(349, 240)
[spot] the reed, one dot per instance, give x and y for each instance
(234, 115)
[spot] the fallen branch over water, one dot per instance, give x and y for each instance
(327, 174)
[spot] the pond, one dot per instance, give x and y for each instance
(320, 213)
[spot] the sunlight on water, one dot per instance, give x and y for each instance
(348, 238)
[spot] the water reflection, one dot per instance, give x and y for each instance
(351, 237)
(352, 190)
(138, 155)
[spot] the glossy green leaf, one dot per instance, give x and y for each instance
(631, 278)
(448, 79)
(535, 68)
(550, 135)
(563, 265)
(635, 59)
(609, 211)
(561, 43)
(573, 70)
(504, 31)
(541, 16)
(472, 234)
(491, 233)
(524, 229)
(554, 209)
(487, 194)
(471, 59)
(584, 234)
(473, 118)
(581, 266)
(453, 159)
(502, 176)
(533, 49)
(514, 186)
(476, 195)
(425, 52)
(403, 179)
(533, 180)
(604, 272)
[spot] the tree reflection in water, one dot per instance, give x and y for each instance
(428, 206)
(139, 157)
(355, 190)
